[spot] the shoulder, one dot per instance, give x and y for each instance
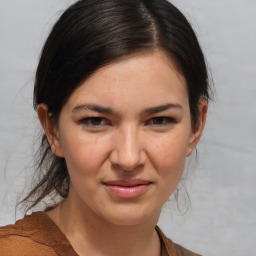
(18, 245)
(183, 251)
(35, 234)
(169, 248)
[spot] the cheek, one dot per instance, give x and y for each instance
(171, 149)
(84, 154)
(168, 155)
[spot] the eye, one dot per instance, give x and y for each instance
(94, 122)
(160, 121)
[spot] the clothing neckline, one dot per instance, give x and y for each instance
(48, 228)
(59, 240)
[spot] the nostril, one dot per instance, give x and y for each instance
(116, 167)
(120, 168)
(128, 153)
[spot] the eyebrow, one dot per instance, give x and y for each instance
(107, 110)
(161, 108)
(93, 107)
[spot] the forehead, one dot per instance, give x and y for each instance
(150, 78)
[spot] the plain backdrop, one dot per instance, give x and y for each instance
(222, 188)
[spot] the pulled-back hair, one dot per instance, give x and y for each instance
(94, 33)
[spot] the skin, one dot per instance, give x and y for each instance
(139, 129)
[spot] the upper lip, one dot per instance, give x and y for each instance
(126, 183)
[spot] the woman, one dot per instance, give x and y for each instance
(121, 92)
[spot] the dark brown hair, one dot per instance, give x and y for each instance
(93, 33)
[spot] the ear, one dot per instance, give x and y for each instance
(50, 129)
(196, 134)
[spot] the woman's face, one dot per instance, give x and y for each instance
(125, 134)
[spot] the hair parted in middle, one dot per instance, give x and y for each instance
(93, 33)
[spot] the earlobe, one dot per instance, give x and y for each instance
(196, 134)
(50, 129)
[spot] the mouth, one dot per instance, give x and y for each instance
(127, 189)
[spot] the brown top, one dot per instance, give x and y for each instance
(37, 234)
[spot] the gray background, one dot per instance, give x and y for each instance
(222, 219)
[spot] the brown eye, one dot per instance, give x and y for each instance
(161, 121)
(94, 122)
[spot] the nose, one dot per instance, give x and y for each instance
(128, 152)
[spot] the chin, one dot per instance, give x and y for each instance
(128, 220)
(131, 216)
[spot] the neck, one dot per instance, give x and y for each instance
(89, 234)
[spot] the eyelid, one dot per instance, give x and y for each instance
(88, 121)
(166, 121)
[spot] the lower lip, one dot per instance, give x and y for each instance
(128, 192)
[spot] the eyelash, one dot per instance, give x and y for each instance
(89, 122)
(164, 121)
(99, 122)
